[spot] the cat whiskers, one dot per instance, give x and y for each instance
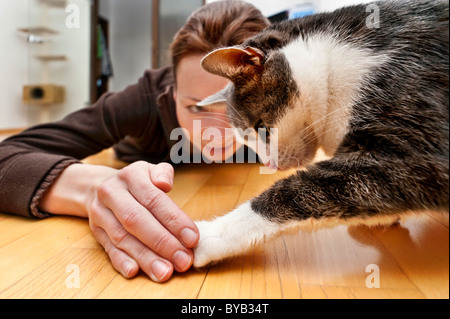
(231, 106)
(305, 136)
(308, 142)
(236, 111)
(226, 126)
(286, 156)
(216, 116)
(305, 130)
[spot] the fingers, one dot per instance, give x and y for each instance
(134, 219)
(165, 211)
(168, 214)
(162, 176)
(127, 254)
(140, 226)
(119, 259)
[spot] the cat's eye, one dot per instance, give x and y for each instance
(196, 109)
(262, 131)
(260, 125)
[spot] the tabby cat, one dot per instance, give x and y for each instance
(373, 97)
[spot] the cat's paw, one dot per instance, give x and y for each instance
(230, 235)
(210, 244)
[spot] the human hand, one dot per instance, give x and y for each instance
(139, 226)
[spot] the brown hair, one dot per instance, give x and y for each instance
(215, 25)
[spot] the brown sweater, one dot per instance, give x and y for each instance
(136, 121)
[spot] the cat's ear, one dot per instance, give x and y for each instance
(220, 97)
(233, 61)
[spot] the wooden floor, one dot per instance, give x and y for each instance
(42, 259)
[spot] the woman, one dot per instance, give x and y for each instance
(129, 213)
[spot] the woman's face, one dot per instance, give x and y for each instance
(193, 85)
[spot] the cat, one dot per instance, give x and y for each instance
(375, 99)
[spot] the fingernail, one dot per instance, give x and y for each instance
(182, 260)
(165, 179)
(189, 237)
(127, 267)
(159, 270)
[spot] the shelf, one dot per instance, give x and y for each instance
(50, 58)
(55, 3)
(38, 31)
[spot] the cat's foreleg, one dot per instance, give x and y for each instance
(303, 199)
(328, 193)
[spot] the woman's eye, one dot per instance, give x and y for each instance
(196, 109)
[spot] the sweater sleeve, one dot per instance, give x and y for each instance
(31, 161)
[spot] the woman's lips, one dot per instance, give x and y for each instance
(212, 150)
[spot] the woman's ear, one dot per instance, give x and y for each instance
(233, 61)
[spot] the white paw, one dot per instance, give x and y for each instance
(231, 235)
(209, 245)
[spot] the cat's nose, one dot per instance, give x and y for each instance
(271, 164)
